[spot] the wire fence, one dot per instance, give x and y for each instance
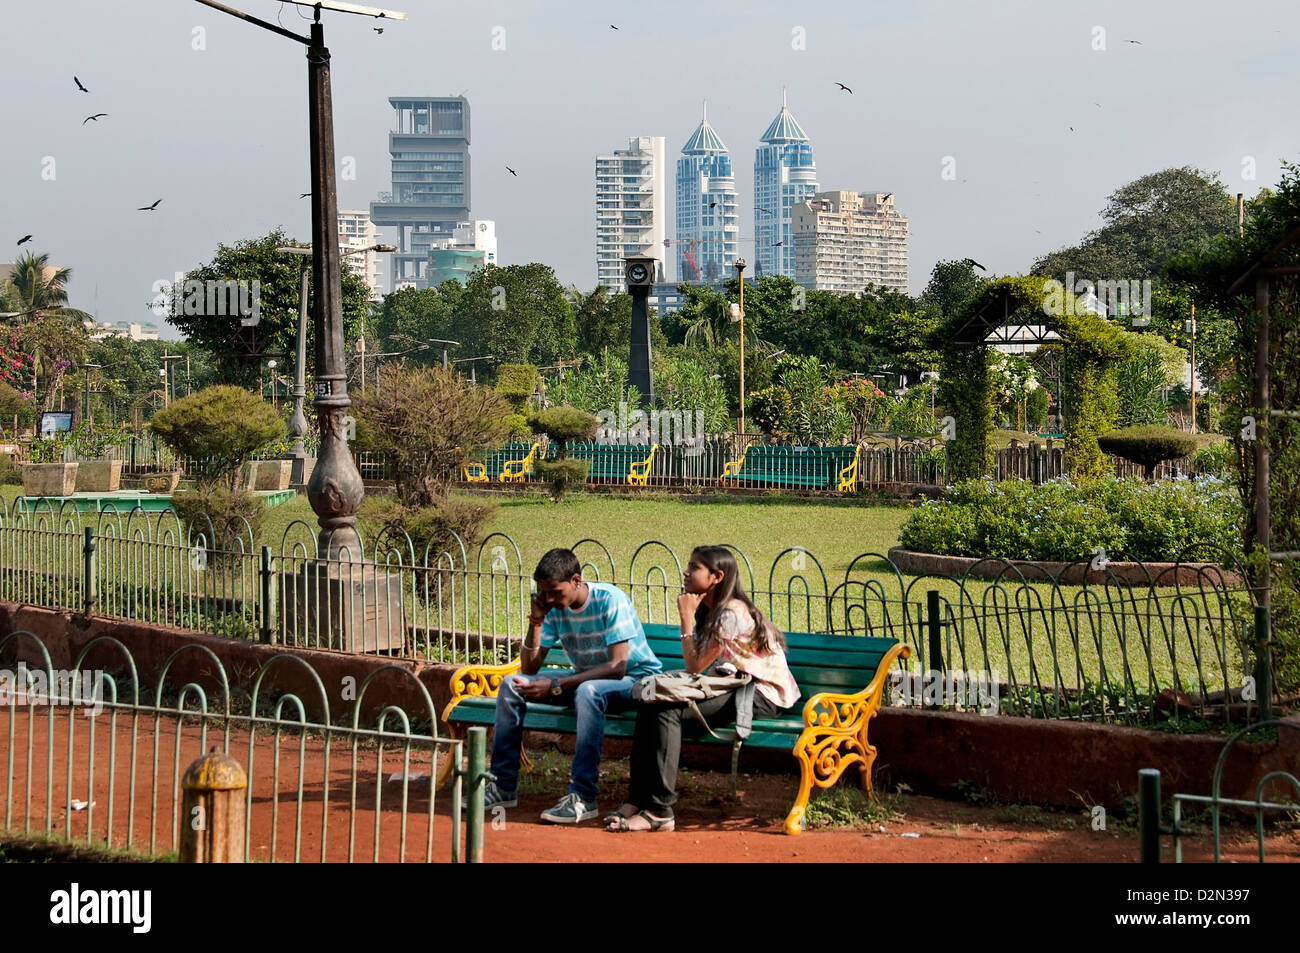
(1105, 649)
(327, 780)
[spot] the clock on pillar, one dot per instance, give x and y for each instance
(639, 273)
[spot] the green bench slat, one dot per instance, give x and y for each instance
(811, 466)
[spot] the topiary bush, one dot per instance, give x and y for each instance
(562, 474)
(1148, 446)
(219, 428)
(1062, 521)
(564, 425)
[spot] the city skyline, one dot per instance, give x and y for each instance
(1034, 123)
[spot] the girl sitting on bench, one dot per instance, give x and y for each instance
(721, 627)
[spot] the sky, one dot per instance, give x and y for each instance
(1038, 110)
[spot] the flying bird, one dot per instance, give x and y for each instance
(94, 117)
(304, 195)
(777, 244)
(1071, 128)
(149, 208)
(612, 27)
(1138, 42)
(973, 263)
(712, 204)
(79, 86)
(759, 208)
(25, 238)
(378, 29)
(845, 88)
(1098, 105)
(512, 172)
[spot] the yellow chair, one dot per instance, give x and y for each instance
(733, 468)
(640, 471)
(849, 475)
(514, 471)
(479, 474)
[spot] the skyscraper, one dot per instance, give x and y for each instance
(429, 146)
(631, 206)
(846, 240)
(784, 174)
(357, 232)
(707, 220)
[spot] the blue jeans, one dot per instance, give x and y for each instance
(589, 700)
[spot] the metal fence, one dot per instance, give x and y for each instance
(1097, 651)
(328, 781)
(1151, 828)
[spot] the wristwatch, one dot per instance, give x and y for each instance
(555, 687)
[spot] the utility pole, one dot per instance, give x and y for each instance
(1191, 328)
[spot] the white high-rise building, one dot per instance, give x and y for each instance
(784, 175)
(845, 241)
(631, 206)
(357, 231)
(708, 223)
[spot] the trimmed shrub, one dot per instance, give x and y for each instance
(1063, 521)
(229, 520)
(1148, 446)
(561, 474)
(563, 425)
(219, 427)
(430, 528)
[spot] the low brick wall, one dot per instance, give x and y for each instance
(1074, 573)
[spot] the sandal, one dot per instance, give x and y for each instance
(641, 821)
(625, 810)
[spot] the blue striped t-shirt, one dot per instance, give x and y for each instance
(606, 619)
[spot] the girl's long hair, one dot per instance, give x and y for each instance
(719, 559)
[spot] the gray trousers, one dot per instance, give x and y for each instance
(657, 746)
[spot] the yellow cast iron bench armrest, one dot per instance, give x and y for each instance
(640, 472)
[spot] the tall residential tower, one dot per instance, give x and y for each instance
(845, 241)
(707, 220)
(784, 175)
(429, 145)
(631, 206)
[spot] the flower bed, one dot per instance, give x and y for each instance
(1062, 522)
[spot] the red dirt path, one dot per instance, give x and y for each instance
(712, 826)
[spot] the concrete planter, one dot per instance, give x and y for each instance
(162, 482)
(99, 476)
(49, 479)
(268, 474)
(1072, 574)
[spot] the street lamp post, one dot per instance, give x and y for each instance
(740, 316)
(271, 365)
(335, 490)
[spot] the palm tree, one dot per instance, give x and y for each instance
(53, 333)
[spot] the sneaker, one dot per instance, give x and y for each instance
(571, 810)
(493, 796)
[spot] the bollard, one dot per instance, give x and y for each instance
(478, 778)
(212, 810)
(1149, 815)
(267, 595)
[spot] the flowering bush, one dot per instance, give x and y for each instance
(1061, 521)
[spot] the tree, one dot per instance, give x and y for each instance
(563, 425)
(952, 284)
(517, 313)
(54, 334)
(218, 427)
(1147, 446)
(410, 317)
(427, 421)
(242, 349)
(1144, 223)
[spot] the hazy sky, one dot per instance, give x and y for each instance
(208, 113)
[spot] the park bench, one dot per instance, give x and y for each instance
(841, 677)
(505, 465)
(812, 467)
(625, 463)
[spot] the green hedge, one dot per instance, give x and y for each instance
(1148, 445)
(1062, 521)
